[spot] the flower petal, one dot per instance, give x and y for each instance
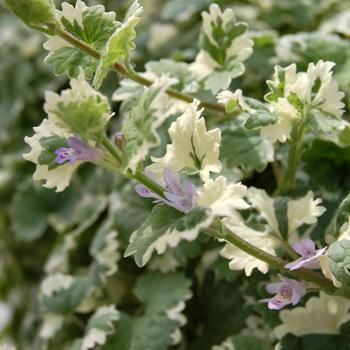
(305, 248)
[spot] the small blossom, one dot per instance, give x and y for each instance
(288, 291)
(58, 177)
(77, 150)
(310, 257)
(179, 196)
(119, 140)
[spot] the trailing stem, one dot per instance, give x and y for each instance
(219, 231)
(131, 74)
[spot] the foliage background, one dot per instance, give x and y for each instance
(33, 219)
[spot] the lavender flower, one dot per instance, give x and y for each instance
(77, 150)
(310, 257)
(179, 196)
(288, 291)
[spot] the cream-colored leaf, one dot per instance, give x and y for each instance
(193, 147)
(321, 315)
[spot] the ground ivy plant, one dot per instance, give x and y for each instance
(192, 197)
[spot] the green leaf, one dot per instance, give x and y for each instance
(140, 128)
(31, 207)
(65, 300)
(179, 70)
(225, 30)
(70, 60)
(95, 30)
(277, 85)
(328, 165)
(259, 119)
(164, 226)
(280, 205)
(119, 44)
(182, 10)
(104, 250)
(102, 319)
(321, 121)
(101, 322)
(244, 342)
(220, 79)
(259, 114)
(342, 215)
(33, 12)
(316, 342)
(245, 148)
(50, 145)
(339, 260)
(87, 116)
(218, 316)
(153, 329)
(295, 101)
(344, 136)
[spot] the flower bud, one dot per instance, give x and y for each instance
(32, 12)
(119, 140)
(339, 260)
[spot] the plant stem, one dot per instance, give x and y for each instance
(275, 262)
(73, 40)
(294, 153)
(111, 149)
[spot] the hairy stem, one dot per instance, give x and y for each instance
(275, 262)
(294, 153)
(131, 74)
(220, 231)
(111, 149)
(278, 263)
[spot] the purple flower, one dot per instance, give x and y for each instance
(179, 196)
(310, 257)
(288, 291)
(77, 150)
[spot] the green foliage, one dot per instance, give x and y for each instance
(339, 260)
(95, 30)
(140, 128)
(83, 232)
(33, 12)
(31, 209)
(324, 160)
(242, 342)
(165, 226)
(153, 328)
(323, 122)
(244, 148)
(119, 44)
(86, 117)
(316, 341)
(221, 78)
(66, 300)
(259, 115)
